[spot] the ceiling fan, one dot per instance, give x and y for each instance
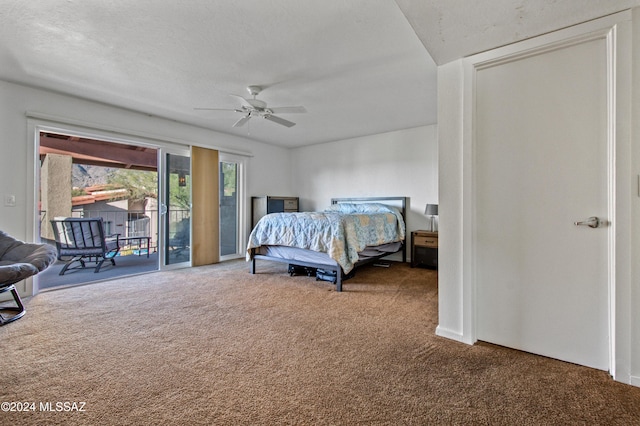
(251, 108)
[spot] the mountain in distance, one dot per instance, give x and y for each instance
(83, 175)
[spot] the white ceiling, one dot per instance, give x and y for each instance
(358, 66)
(453, 29)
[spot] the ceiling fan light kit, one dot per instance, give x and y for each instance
(254, 90)
(258, 108)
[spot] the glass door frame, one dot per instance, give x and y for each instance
(163, 194)
(37, 125)
(241, 212)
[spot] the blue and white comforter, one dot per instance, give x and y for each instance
(341, 232)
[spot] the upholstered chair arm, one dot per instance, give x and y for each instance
(38, 255)
(11, 273)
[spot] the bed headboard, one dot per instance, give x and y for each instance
(398, 202)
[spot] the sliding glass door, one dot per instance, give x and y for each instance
(232, 235)
(175, 210)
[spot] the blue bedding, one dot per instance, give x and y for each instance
(340, 231)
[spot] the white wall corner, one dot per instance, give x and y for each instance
(450, 188)
(453, 335)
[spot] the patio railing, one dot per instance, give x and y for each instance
(131, 223)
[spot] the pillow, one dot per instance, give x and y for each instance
(363, 208)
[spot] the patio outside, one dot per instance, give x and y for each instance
(89, 178)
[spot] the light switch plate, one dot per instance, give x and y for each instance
(10, 200)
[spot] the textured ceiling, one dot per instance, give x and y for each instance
(453, 29)
(359, 67)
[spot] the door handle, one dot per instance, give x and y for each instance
(592, 222)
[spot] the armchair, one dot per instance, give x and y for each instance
(83, 239)
(19, 260)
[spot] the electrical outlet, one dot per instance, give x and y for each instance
(10, 200)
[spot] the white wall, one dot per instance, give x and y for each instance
(635, 212)
(400, 163)
(456, 215)
(268, 170)
(451, 254)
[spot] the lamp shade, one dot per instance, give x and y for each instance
(431, 210)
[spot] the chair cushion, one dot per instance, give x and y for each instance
(39, 255)
(7, 243)
(80, 233)
(11, 273)
(112, 245)
(19, 260)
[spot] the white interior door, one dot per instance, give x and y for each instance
(541, 162)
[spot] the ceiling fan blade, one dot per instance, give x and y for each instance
(257, 103)
(279, 120)
(215, 109)
(289, 110)
(242, 121)
(245, 102)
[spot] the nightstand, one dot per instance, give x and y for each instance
(263, 205)
(424, 249)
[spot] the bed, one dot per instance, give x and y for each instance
(350, 233)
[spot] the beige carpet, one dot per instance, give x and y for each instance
(217, 345)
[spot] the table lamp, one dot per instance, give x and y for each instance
(431, 210)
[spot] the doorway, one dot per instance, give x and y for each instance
(83, 175)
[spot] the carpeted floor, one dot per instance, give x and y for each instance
(216, 345)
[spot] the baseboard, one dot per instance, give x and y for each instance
(443, 332)
(634, 381)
